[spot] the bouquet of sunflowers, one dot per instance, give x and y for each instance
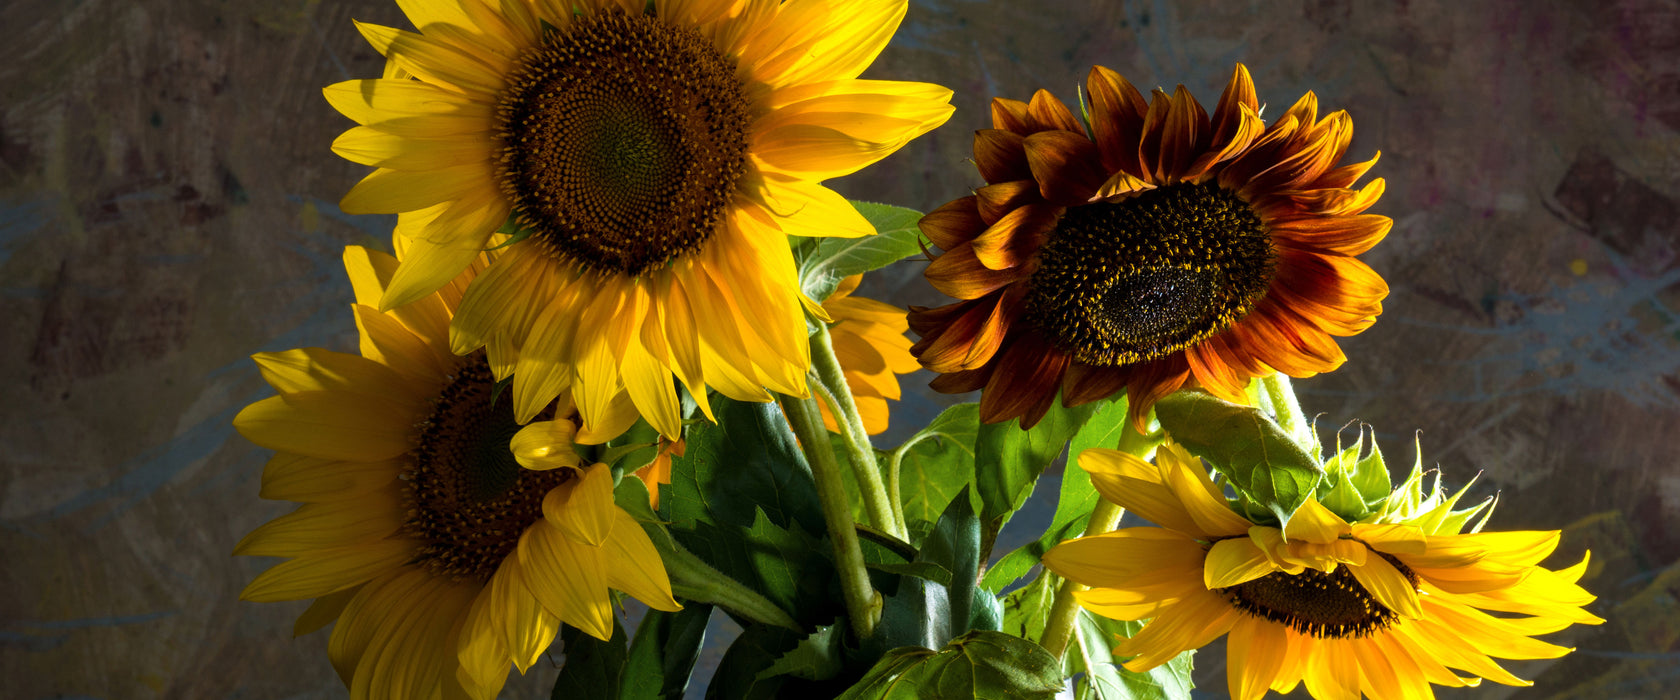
(617, 356)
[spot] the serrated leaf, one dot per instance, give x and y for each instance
(663, 652)
(746, 462)
(936, 463)
(980, 665)
(1009, 460)
(1091, 652)
(1074, 504)
(834, 259)
(817, 657)
(593, 668)
(1259, 458)
(737, 674)
(1026, 609)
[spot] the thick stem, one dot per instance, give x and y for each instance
(883, 507)
(863, 603)
(1281, 396)
(1064, 610)
(694, 579)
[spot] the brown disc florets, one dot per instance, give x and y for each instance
(1333, 605)
(1148, 276)
(468, 498)
(623, 140)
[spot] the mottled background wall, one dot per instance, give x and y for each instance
(167, 207)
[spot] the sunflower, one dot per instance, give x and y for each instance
(869, 341)
(652, 163)
(1158, 246)
(1383, 606)
(445, 540)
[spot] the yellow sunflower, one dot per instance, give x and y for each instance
(869, 341)
(654, 162)
(1159, 245)
(445, 540)
(1384, 607)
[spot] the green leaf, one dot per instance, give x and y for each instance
(1026, 609)
(788, 566)
(1077, 498)
(818, 657)
(737, 675)
(593, 668)
(663, 653)
(1008, 461)
(746, 462)
(979, 665)
(954, 545)
(897, 238)
(1091, 653)
(1255, 455)
(936, 463)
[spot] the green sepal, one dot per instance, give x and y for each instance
(1258, 458)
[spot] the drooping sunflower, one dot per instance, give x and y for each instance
(447, 541)
(1384, 606)
(869, 341)
(652, 163)
(1160, 244)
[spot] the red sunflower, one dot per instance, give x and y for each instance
(1157, 247)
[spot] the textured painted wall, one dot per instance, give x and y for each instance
(167, 208)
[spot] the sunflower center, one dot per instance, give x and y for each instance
(469, 500)
(623, 140)
(1140, 279)
(1333, 605)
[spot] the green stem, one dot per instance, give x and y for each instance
(883, 507)
(863, 603)
(692, 578)
(1281, 397)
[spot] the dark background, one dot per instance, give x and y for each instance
(167, 207)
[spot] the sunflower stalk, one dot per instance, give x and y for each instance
(881, 504)
(863, 602)
(1279, 397)
(693, 579)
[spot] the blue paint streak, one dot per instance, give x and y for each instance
(20, 221)
(46, 635)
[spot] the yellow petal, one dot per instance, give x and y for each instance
(1195, 621)
(545, 445)
(582, 508)
(329, 571)
(370, 609)
(1127, 558)
(1135, 485)
(394, 191)
(327, 424)
(1388, 586)
(1256, 651)
(480, 651)
(1233, 561)
(323, 611)
(1198, 494)
(633, 564)
(810, 209)
(316, 370)
(432, 260)
(1314, 523)
(568, 578)
(317, 526)
(524, 625)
